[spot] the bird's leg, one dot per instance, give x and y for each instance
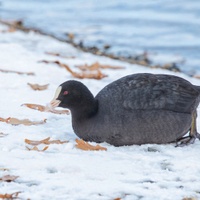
(192, 135)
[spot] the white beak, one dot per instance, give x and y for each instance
(54, 103)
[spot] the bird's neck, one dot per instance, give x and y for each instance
(86, 109)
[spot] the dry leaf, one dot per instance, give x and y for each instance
(3, 135)
(117, 199)
(96, 66)
(26, 122)
(38, 87)
(44, 141)
(59, 55)
(35, 106)
(2, 120)
(8, 178)
(45, 108)
(9, 196)
(57, 142)
(96, 74)
(16, 22)
(4, 169)
(196, 76)
(36, 149)
(190, 198)
(9, 30)
(17, 72)
(81, 144)
(33, 142)
(70, 36)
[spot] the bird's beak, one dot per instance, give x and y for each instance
(55, 102)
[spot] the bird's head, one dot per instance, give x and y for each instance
(70, 94)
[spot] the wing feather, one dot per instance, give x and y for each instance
(153, 92)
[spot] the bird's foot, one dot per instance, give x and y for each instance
(184, 141)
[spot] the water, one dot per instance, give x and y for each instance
(169, 30)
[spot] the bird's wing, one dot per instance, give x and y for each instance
(154, 92)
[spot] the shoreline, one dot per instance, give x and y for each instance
(141, 59)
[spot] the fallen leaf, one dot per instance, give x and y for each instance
(36, 149)
(81, 144)
(9, 196)
(4, 169)
(44, 141)
(117, 199)
(196, 76)
(96, 66)
(35, 106)
(96, 74)
(3, 134)
(9, 30)
(3, 120)
(190, 198)
(17, 72)
(59, 55)
(8, 178)
(45, 108)
(70, 36)
(26, 122)
(34, 142)
(38, 87)
(57, 142)
(16, 22)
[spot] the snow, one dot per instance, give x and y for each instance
(64, 172)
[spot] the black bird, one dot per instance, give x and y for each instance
(136, 109)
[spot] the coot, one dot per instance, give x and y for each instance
(136, 109)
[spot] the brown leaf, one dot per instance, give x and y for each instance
(8, 178)
(60, 112)
(44, 141)
(34, 142)
(38, 87)
(36, 149)
(2, 120)
(16, 22)
(9, 196)
(3, 134)
(12, 29)
(59, 55)
(190, 198)
(70, 36)
(17, 72)
(96, 74)
(4, 169)
(45, 108)
(35, 106)
(96, 66)
(196, 76)
(81, 144)
(9, 30)
(26, 122)
(57, 142)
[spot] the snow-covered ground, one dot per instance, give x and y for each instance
(62, 171)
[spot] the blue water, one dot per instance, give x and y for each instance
(169, 29)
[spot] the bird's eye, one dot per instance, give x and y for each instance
(65, 92)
